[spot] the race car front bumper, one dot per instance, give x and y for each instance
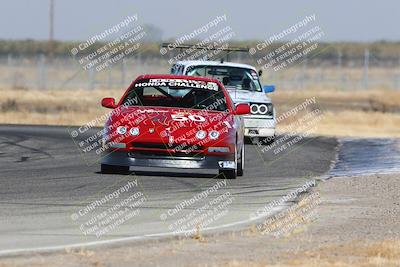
(124, 158)
(259, 127)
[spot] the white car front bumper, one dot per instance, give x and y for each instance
(259, 127)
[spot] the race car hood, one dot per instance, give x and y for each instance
(245, 96)
(165, 116)
(158, 124)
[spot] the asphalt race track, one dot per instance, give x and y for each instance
(45, 182)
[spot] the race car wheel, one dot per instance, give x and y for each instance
(240, 163)
(230, 174)
(111, 169)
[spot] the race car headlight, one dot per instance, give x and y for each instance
(121, 130)
(134, 131)
(213, 134)
(201, 134)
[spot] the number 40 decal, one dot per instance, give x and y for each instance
(178, 117)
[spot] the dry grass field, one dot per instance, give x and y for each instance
(346, 113)
(72, 96)
(365, 113)
(50, 107)
(355, 254)
(385, 253)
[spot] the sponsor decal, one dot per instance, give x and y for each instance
(150, 110)
(182, 117)
(179, 83)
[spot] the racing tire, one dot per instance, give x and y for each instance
(230, 174)
(240, 163)
(111, 169)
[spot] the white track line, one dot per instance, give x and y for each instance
(10, 252)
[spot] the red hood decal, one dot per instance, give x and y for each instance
(171, 125)
(169, 117)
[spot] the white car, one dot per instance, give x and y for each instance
(243, 84)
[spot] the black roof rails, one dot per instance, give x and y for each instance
(193, 46)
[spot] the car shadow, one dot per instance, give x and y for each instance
(174, 174)
(170, 174)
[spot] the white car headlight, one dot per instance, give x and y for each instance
(213, 134)
(201, 134)
(254, 108)
(262, 109)
(121, 130)
(134, 131)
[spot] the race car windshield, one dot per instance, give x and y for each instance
(177, 93)
(238, 78)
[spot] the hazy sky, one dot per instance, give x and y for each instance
(349, 20)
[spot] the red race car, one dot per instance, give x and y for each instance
(175, 122)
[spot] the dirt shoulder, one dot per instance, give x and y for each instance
(356, 224)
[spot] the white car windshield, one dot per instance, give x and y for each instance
(231, 77)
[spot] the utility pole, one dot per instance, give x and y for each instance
(339, 68)
(51, 30)
(366, 66)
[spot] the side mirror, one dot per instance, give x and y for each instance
(108, 102)
(242, 109)
(268, 88)
(260, 73)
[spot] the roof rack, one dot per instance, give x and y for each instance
(193, 46)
